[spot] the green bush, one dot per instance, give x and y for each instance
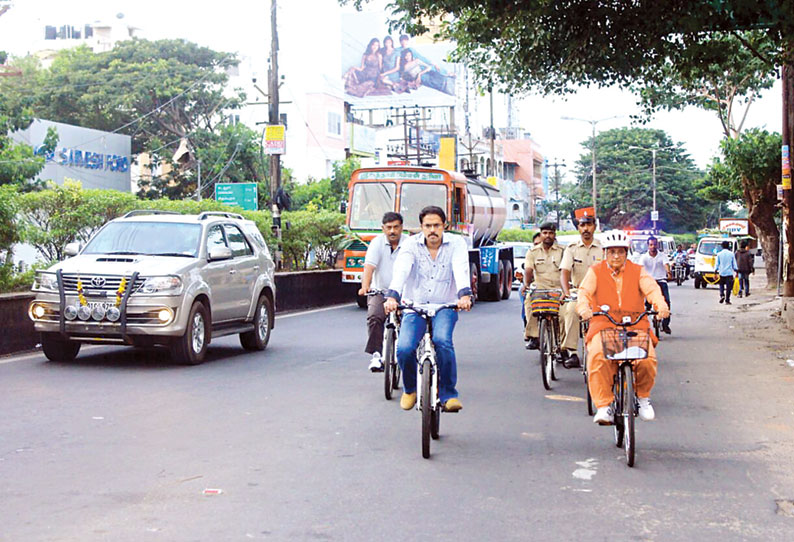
(12, 280)
(516, 234)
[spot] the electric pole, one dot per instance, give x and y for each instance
(273, 120)
(557, 182)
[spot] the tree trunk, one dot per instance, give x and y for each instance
(761, 206)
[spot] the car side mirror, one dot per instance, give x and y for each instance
(72, 249)
(220, 253)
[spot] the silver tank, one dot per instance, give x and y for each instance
(487, 212)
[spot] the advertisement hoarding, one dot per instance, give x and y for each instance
(388, 69)
(275, 139)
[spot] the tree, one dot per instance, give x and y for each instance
(625, 181)
(751, 168)
(555, 46)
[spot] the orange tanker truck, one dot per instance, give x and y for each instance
(475, 210)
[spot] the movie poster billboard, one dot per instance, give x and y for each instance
(385, 69)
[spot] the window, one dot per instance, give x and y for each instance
(237, 241)
(215, 238)
(370, 201)
(334, 124)
(146, 238)
(415, 196)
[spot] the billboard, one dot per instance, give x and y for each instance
(385, 69)
(97, 159)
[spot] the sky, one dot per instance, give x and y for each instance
(309, 48)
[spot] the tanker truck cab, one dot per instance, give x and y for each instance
(706, 258)
(474, 209)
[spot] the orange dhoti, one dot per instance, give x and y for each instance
(601, 373)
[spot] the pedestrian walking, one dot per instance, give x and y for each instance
(746, 266)
(726, 267)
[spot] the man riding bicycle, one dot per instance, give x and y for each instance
(432, 267)
(541, 266)
(623, 286)
(657, 266)
(576, 260)
(378, 264)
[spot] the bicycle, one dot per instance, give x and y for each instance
(391, 369)
(427, 400)
(627, 347)
(583, 328)
(545, 306)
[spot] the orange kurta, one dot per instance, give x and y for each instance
(625, 292)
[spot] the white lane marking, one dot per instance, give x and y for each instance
(587, 470)
(565, 398)
(33, 355)
(312, 311)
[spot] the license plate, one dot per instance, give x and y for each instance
(104, 304)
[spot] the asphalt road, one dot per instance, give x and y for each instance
(121, 445)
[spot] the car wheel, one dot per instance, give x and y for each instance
(56, 348)
(258, 338)
(191, 347)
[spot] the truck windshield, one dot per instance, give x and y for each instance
(370, 201)
(416, 196)
(709, 247)
(150, 238)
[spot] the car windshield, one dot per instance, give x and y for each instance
(710, 247)
(415, 196)
(639, 246)
(370, 202)
(151, 238)
(520, 251)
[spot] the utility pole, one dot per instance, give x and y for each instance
(653, 150)
(273, 120)
(557, 182)
(491, 135)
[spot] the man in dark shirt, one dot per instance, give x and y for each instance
(746, 267)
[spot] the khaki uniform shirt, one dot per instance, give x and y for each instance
(578, 258)
(546, 266)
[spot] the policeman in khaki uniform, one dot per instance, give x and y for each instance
(576, 261)
(542, 265)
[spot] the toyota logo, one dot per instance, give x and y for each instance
(98, 282)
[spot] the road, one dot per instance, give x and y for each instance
(122, 444)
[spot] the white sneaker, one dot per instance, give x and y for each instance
(376, 363)
(646, 409)
(604, 416)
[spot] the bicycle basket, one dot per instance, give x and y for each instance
(545, 302)
(634, 346)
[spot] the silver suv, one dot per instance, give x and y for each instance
(153, 277)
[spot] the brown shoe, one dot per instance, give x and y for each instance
(452, 405)
(407, 401)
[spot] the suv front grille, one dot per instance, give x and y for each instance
(103, 283)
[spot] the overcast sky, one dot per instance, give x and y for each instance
(309, 34)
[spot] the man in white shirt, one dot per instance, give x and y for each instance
(378, 264)
(432, 267)
(658, 267)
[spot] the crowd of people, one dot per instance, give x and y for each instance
(386, 69)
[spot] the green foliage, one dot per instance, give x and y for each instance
(311, 230)
(624, 179)
(515, 234)
(685, 239)
(326, 193)
(13, 280)
(8, 218)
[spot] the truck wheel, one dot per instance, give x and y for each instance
(362, 301)
(508, 284)
(258, 338)
(697, 282)
(492, 290)
(191, 347)
(56, 348)
(474, 273)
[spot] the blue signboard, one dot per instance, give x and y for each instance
(489, 259)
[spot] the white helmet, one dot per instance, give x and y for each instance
(615, 238)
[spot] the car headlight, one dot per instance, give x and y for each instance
(45, 282)
(167, 285)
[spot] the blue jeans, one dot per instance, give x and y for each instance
(744, 283)
(412, 329)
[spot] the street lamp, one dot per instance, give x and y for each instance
(653, 150)
(593, 123)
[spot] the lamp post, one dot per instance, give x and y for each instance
(593, 123)
(653, 150)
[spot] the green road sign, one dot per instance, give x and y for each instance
(240, 194)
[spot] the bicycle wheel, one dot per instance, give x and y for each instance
(388, 363)
(555, 347)
(395, 371)
(425, 407)
(628, 412)
(617, 407)
(546, 355)
(588, 398)
(435, 422)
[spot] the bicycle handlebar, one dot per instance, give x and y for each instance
(375, 291)
(423, 311)
(626, 324)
